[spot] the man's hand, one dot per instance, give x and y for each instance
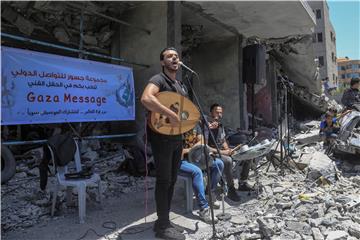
(174, 120)
(226, 152)
(186, 150)
(214, 125)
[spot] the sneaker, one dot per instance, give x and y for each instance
(215, 202)
(169, 233)
(205, 215)
(232, 195)
(245, 187)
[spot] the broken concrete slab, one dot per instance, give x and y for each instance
(283, 205)
(354, 231)
(318, 213)
(316, 233)
(267, 227)
(312, 124)
(321, 165)
(329, 221)
(89, 39)
(61, 35)
(307, 138)
(24, 25)
(9, 14)
(239, 219)
(337, 235)
(299, 227)
(105, 34)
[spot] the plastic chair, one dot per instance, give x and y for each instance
(189, 192)
(80, 184)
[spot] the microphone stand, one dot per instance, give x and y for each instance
(286, 155)
(205, 124)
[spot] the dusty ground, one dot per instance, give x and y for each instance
(126, 213)
(123, 216)
(321, 203)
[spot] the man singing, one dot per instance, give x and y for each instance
(166, 149)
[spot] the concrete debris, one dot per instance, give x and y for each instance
(8, 14)
(90, 156)
(88, 39)
(316, 233)
(46, 15)
(321, 165)
(311, 136)
(239, 220)
(354, 231)
(311, 98)
(337, 235)
(105, 34)
(322, 204)
(267, 227)
(312, 124)
(49, 6)
(298, 227)
(24, 25)
(22, 5)
(61, 35)
(24, 204)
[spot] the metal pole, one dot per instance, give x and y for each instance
(109, 18)
(253, 108)
(83, 138)
(81, 43)
(24, 39)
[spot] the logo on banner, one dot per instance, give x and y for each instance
(46, 88)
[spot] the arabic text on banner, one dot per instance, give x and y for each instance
(45, 88)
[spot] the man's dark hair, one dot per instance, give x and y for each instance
(215, 105)
(333, 110)
(354, 81)
(328, 114)
(166, 49)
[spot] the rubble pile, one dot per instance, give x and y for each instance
(63, 21)
(313, 197)
(24, 204)
(321, 200)
(294, 207)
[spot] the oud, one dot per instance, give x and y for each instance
(188, 113)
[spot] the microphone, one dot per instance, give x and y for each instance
(186, 67)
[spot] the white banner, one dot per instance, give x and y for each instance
(45, 88)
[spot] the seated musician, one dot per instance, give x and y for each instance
(216, 127)
(193, 138)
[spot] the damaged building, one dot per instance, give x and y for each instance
(211, 38)
(216, 39)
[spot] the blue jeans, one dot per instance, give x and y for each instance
(189, 169)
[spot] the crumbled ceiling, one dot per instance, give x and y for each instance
(283, 27)
(60, 21)
(296, 55)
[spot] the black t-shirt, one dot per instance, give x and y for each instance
(164, 83)
(219, 135)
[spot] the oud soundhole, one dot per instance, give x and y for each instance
(163, 120)
(184, 115)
